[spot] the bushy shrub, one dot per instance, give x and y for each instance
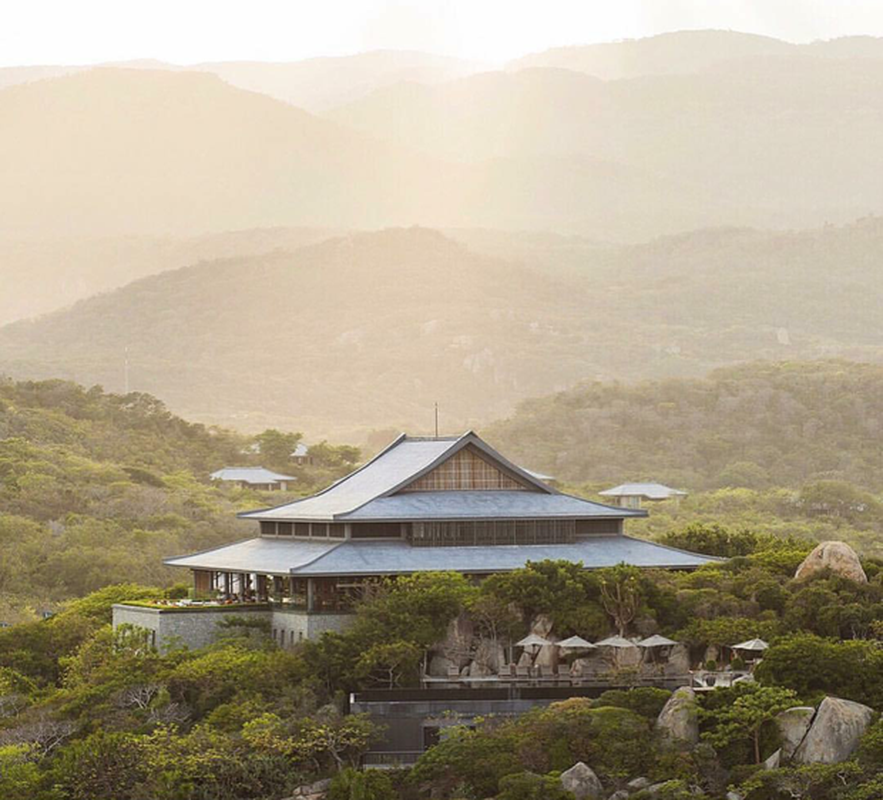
(646, 701)
(529, 786)
(353, 784)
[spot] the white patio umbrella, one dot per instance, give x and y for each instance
(753, 645)
(618, 642)
(656, 641)
(576, 643)
(532, 640)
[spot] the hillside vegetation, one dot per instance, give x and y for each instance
(98, 488)
(35, 283)
(96, 714)
(372, 329)
(784, 449)
(757, 425)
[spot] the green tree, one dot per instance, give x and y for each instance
(621, 594)
(388, 664)
(276, 447)
(747, 716)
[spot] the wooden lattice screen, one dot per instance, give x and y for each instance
(467, 470)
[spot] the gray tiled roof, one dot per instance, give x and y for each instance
(249, 475)
(402, 462)
(365, 557)
(274, 556)
(478, 505)
(651, 491)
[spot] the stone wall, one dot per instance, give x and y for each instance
(288, 627)
(198, 628)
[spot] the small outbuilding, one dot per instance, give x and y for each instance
(253, 478)
(301, 455)
(631, 495)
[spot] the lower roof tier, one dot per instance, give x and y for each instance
(355, 557)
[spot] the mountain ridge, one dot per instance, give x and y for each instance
(371, 329)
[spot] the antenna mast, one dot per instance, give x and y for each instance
(436, 420)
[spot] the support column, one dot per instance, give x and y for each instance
(311, 594)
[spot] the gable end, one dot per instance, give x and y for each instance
(468, 470)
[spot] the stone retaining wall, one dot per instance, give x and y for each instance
(197, 628)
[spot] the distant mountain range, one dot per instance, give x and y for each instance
(314, 84)
(643, 209)
(695, 129)
(372, 329)
(682, 52)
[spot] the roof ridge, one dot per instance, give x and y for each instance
(319, 557)
(394, 443)
(674, 549)
(415, 475)
(209, 549)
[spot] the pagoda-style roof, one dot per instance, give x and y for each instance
(647, 491)
(363, 557)
(392, 487)
(251, 475)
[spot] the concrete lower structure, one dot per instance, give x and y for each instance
(414, 719)
(197, 627)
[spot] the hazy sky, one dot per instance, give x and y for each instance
(186, 31)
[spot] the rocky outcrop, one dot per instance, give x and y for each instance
(440, 666)
(774, 761)
(678, 661)
(793, 725)
(679, 718)
(547, 656)
(312, 791)
(838, 557)
(637, 784)
(835, 732)
(541, 625)
(489, 655)
(581, 781)
(458, 642)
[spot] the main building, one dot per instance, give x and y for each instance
(422, 504)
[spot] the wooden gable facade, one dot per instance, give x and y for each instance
(469, 470)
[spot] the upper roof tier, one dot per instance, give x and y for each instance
(404, 482)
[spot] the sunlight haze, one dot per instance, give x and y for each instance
(92, 31)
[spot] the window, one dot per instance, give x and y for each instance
(283, 529)
(598, 527)
(493, 532)
(302, 529)
(377, 530)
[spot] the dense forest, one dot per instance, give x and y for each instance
(91, 714)
(755, 426)
(97, 488)
(785, 448)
